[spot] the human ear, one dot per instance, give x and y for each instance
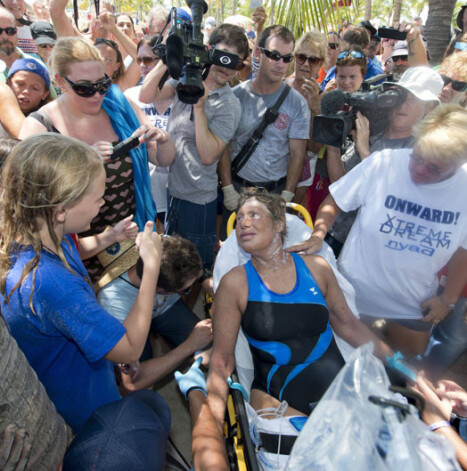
(60, 216)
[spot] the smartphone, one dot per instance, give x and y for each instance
(125, 146)
(392, 33)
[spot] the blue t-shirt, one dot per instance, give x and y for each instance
(66, 338)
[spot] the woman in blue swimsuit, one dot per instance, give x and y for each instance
(288, 306)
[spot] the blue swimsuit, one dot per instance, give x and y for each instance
(294, 352)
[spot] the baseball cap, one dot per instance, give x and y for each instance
(401, 48)
(210, 21)
(421, 81)
(183, 15)
(43, 33)
(128, 434)
(30, 65)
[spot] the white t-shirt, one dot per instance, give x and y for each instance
(159, 175)
(403, 235)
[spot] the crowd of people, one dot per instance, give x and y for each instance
(117, 184)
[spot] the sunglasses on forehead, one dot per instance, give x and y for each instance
(354, 54)
(89, 89)
(9, 30)
(455, 84)
(275, 56)
(312, 60)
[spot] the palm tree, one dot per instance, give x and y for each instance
(24, 402)
(438, 27)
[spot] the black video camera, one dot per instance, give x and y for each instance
(375, 102)
(187, 58)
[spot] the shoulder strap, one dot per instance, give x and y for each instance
(248, 149)
(44, 120)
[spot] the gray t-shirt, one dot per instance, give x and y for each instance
(270, 160)
(189, 179)
(342, 225)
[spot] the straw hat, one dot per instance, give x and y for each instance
(116, 260)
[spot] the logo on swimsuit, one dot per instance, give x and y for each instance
(313, 290)
(282, 121)
(113, 249)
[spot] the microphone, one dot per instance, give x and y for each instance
(333, 101)
(174, 54)
(223, 58)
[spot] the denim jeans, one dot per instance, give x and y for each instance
(195, 222)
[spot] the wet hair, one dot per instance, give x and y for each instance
(279, 31)
(232, 36)
(73, 50)
(42, 174)
(180, 263)
(350, 61)
(274, 203)
(120, 72)
(441, 134)
(455, 64)
(357, 36)
(6, 146)
(316, 40)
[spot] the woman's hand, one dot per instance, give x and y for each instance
(437, 310)
(151, 135)
(310, 246)
(15, 448)
(437, 408)
(107, 21)
(457, 396)
(149, 245)
(104, 149)
(125, 229)
(331, 85)
(311, 89)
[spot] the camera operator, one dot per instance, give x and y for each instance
(201, 133)
(422, 86)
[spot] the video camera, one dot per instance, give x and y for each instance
(334, 124)
(187, 58)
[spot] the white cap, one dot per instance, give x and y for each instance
(423, 82)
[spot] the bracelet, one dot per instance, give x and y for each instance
(437, 425)
(449, 305)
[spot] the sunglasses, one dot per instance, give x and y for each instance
(400, 58)
(275, 56)
(354, 54)
(333, 46)
(89, 89)
(312, 60)
(147, 61)
(9, 30)
(455, 84)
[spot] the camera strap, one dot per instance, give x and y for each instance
(249, 148)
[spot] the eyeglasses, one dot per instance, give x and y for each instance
(455, 84)
(333, 46)
(89, 89)
(354, 54)
(275, 56)
(312, 60)
(400, 58)
(9, 30)
(147, 61)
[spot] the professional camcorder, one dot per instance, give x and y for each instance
(187, 58)
(339, 110)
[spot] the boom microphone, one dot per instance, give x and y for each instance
(333, 101)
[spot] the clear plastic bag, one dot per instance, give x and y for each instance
(348, 432)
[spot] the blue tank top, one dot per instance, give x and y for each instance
(294, 352)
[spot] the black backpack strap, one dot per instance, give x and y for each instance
(269, 117)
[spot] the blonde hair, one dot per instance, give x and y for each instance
(442, 134)
(68, 51)
(315, 39)
(43, 174)
(456, 64)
